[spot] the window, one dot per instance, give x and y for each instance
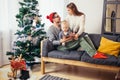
(111, 17)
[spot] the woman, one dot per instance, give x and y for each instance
(76, 20)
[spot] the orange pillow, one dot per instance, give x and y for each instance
(109, 47)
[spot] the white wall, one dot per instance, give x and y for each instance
(13, 8)
(49, 6)
(93, 10)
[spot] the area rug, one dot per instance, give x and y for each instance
(49, 77)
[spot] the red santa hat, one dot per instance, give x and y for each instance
(50, 17)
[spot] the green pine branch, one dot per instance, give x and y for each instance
(25, 19)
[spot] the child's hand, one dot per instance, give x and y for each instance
(64, 37)
(63, 44)
(62, 40)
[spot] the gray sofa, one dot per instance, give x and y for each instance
(49, 53)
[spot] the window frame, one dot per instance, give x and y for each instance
(108, 2)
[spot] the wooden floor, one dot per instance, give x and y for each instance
(72, 72)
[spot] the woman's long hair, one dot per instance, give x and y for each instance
(73, 7)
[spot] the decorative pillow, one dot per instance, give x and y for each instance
(109, 47)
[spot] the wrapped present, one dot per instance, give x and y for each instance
(18, 63)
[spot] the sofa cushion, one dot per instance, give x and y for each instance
(111, 60)
(72, 55)
(111, 37)
(95, 38)
(118, 61)
(46, 47)
(118, 38)
(109, 47)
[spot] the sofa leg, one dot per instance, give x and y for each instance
(42, 67)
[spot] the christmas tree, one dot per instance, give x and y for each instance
(30, 31)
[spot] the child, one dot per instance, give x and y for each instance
(65, 33)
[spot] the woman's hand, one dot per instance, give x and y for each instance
(76, 36)
(72, 34)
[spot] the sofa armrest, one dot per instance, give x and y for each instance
(46, 46)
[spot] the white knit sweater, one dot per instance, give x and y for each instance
(76, 23)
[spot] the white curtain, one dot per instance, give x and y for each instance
(8, 10)
(3, 31)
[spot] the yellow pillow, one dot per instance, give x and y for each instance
(109, 47)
